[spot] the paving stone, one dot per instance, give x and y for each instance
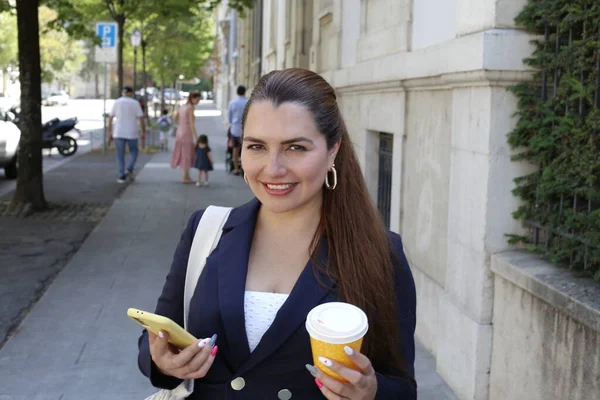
(36, 246)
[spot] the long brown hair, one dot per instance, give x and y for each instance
(359, 251)
(194, 94)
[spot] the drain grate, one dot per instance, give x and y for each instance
(66, 212)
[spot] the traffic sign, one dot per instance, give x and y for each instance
(108, 34)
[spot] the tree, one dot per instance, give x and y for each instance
(179, 46)
(124, 10)
(91, 69)
(30, 184)
(76, 19)
(120, 11)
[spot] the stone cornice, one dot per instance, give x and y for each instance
(442, 82)
(497, 50)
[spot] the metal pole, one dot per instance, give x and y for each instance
(134, 68)
(146, 111)
(104, 144)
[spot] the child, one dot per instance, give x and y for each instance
(164, 126)
(204, 160)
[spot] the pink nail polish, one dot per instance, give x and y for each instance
(214, 351)
(319, 383)
(326, 361)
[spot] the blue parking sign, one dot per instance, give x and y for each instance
(107, 32)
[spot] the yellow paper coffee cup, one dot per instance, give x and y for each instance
(331, 327)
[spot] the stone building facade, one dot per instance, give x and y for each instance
(422, 85)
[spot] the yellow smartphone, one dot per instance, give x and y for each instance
(178, 336)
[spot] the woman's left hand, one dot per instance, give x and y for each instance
(362, 384)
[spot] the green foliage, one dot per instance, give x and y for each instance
(61, 56)
(75, 17)
(178, 34)
(178, 46)
(6, 5)
(8, 41)
(558, 131)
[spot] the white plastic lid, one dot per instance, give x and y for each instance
(337, 323)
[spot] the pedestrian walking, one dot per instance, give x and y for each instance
(128, 129)
(312, 236)
(184, 152)
(235, 112)
(165, 124)
(229, 152)
(204, 160)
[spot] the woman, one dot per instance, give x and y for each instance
(311, 236)
(184, 152)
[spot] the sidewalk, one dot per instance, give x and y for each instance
(89, 137)
(77, 342)
(34, 249)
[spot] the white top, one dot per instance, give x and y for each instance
(128, 111)
(260, 309)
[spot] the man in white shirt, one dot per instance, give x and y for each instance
(235, 112)
(130, 122)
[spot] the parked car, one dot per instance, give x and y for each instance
(57, 98)
(7, 102)
(151, 91)
(9, 144)
(172, 96)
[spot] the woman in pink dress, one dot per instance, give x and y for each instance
(184, 153)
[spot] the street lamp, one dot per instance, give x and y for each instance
(136, 40)
(144, 43)
(180, 84)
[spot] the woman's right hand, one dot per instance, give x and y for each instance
(193, 362)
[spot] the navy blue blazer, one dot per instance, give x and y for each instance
(278, 361)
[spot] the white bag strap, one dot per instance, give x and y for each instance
(206, 238)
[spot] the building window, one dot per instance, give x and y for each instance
(384, 187)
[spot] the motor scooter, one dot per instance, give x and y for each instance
(55, 134)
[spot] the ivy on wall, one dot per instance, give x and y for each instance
(558, 131)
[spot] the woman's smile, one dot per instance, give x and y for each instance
(279, 189)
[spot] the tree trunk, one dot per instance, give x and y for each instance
(176, 95)
(120, 45)
(96, 83)
(162, 94)
(4, 79)
(30, 182)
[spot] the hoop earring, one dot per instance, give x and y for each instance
(246, 179)
(335, 181)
